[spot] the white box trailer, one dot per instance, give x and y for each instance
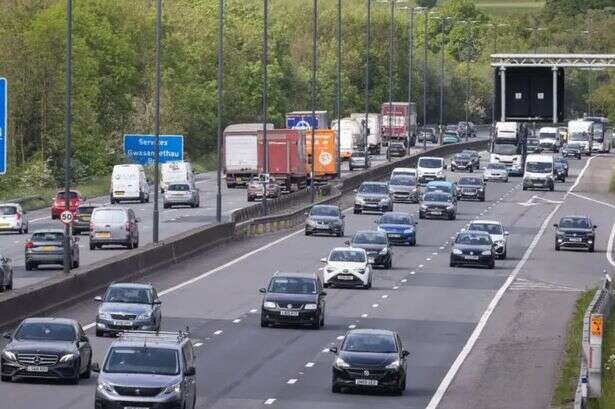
(374, 137)
(241, 153)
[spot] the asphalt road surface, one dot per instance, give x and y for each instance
(435, 309)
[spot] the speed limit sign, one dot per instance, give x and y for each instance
(66, 217)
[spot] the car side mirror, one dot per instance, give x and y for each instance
(323, 260)
(190, 371)
(405, 353)
(84, 338)
(445, 166)
(7, 335)
(343, 216)
(262, 290)
(306, 214)
(95, 367)
(333, 350)
(347, 243)
(555, 225)
(323, 293)
(98, 298)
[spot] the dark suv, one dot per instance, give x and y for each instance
(471, 188)
(127, 306)
(324, 219)
(49, 348)
(145, 369)
(293, 298)
(575, 232)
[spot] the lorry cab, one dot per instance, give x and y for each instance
(128, 182)
(580, 134)
(549, 138)
(539, 172)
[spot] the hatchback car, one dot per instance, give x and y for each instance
(58, 205)
(397, 149)
(256, 187)
(347, 267)
(377, 246)
(564, 163)
(471, 188)
(372, 196)
(47, 348)
(428, 134)
(559, 171)
(495, 230)
(575, 232)
(114, 226)
(293, 298)
(496, 172)
(443, 186)
(181, 194)
(438, 204)
(13, 218)
(359, 159)
(404, 189)
(127, 306)
(533, 145)
(83, 217)
(326, 219)
(473, 248)
(450, 138)
(400, 227)
(46, 246)
(475, 157)
(370, 359)
(6, 274)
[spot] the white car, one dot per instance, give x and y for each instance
(497, 233)
(496, 171)
(13, 218)
(347, 267)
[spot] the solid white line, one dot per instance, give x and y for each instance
(612, 206)
(40, 218)
(467, 348)
(374, 305)
(395, 287)
(609, 247)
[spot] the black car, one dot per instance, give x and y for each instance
(471, 188)
(293, 299)
(49, 348)
(438, 204)
(325, 219)
(533, 145)
(81, 221)
(370, 359)
(377, 246)
(475, 157)
(559, 171)
(564, 163)
(571, 151)
(462, 161)
(473, 248)
(575, 232)
(397, 149)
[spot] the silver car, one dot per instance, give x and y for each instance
(13, 218)
(404, 189)
(495, 172)
(359, 159)
(114, 225)
(181, 194)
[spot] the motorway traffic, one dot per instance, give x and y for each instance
(430, 302)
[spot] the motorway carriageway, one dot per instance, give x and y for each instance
(434, 308)
(172, 221)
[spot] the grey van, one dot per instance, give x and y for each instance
(145, 369)
(114, 225)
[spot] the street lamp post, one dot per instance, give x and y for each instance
(265, 58)
(368, 37)
(68, 134)
(494, 70)
(535, 31)
(425, 41)
(468, 57)
(314, 51)
(391, 26)
(220, 106)
(156, 215)
(339, 85)
(443, 20)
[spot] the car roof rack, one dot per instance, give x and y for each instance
(155, 336)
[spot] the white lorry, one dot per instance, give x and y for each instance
(241, 153)
(176, 172)
(374, 135)
(351, 136)
(507, 147)
(580, 133)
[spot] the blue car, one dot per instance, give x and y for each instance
(400, 227)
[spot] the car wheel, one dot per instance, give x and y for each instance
(453, 216)
(524, 187)
(357, 211)
(264, 323)
(88, 371)
(75, 263)
(552, 187)
(322, 319)
(471, 169)
(325, 285)
(92, 246)
(421, 215)
(316, 324)
(166, 205)
(10, 286)
(28, 266)
(452, 169)
(340, 234)
(307, 233)
(482, 199)
(100, 333)
(492, 263)
(6, 378)
(591, 248)
(334, 387)
(75, 379)
(413, 242)
(130, 245)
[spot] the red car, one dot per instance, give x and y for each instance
(57, 207)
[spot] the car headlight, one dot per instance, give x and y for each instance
(176, 388)
(486, 252)
(384, 251)
(337, 222)
(9, 355)
(269, 304)
(385, 200)
(145, 316)
(393, 365)
(359, 200)
(439, 173)
(310, 306)
(104, 315)
(423, 207)
(380, 229)
(311, 222)
(450, 207)
(105, 387)
(500, 242)
(408, 231)
(457, 251)
(361, 270)
(340, 363)
(67, 357)
(330, 269)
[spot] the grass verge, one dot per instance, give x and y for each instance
(607, 400)
(569, 368)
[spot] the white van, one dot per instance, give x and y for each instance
(539, 172)
(430, 168)
(176, 172)
(128, 182)
(549, 138)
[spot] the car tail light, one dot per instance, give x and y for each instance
(29, 245)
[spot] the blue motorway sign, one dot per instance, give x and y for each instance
(4, 112)
(141, 149)
(301, 121)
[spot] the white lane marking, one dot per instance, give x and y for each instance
(442, 247)
(352, 326)
(411, 273)
(385, 296)
(395, 287)
(363, 315)
(421, 266)
(375, 305)
(435, 254)
(612, 206)
(309, 364)
(270, 401)
(340, 337)
(253, 311)
(428, 259)
(198, 344)
(467, 348)
(236, 321)
(292, 381)
(609, 247)
(218, 332)
(40, 218)
(403, 280)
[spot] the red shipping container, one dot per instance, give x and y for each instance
(287, 157)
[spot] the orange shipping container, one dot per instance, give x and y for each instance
(325, 151)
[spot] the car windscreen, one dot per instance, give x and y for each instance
(392, 218)
(109, 216)
(398, 146)
(325, 211)
(503, 149)
(533, 142)
(469, 181)
(436, 197)
(451, 135)
(374, 343)
(402, 181)
(71, 195)
(292, 285)
(539, 167)
(142, 360)
(7, 210)
(548, 135)
(462, 156)
(579, 136)
(437, 188)
(48, 236)
(499, 166)
(574, 223)
(129, 295)
(349, 256)
(179, 187)
(490, 228)
(369, 238)
(473, 239)
(430, 163)
(39, 331)
(373, 188)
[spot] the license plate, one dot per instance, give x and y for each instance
(39, 369)
(48, 248)
(103, 235)
(136, 407)
(471, 257)
(122, 323)
(468, 193)
(85, 218)
(289, 313)
(366, 382)
(4, 225)
(347, 278)
(436, 212)
(395, 236)
(576, 239)
(119, 192)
